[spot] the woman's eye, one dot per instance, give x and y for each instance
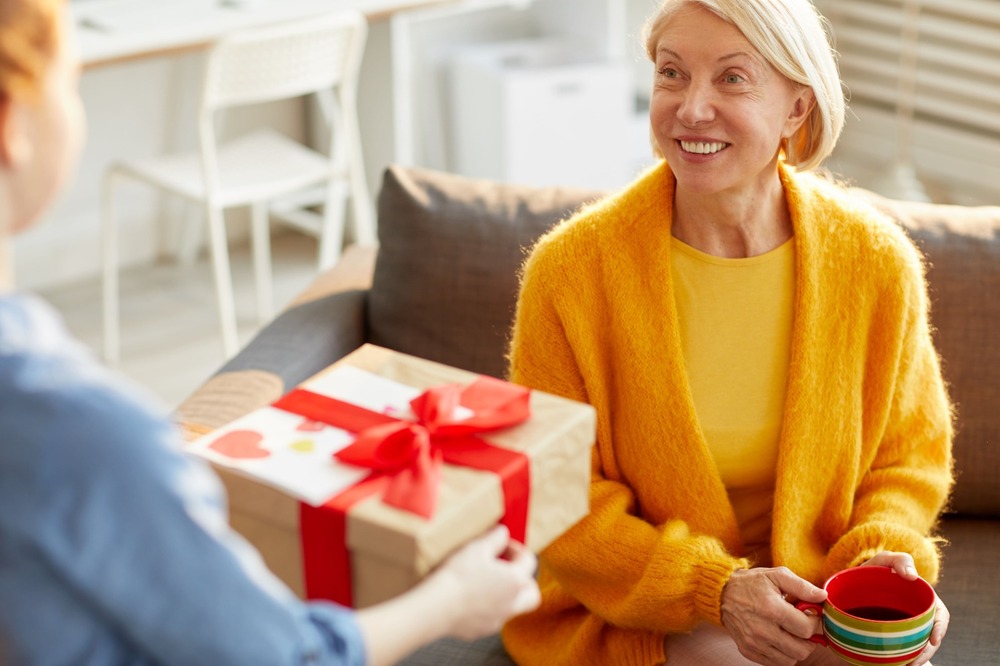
(669, 72)
(733, 78)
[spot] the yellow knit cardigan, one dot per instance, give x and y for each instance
(865, 447)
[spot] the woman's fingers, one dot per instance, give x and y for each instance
(794, 587)
(765, 627)
(901, 563)
(942, 618)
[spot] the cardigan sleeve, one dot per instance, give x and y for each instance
(905, 487)
(631, 580)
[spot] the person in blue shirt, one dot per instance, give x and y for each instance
(114, 545)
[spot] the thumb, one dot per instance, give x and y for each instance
(801, 589)
(521, 559)
(496, 540)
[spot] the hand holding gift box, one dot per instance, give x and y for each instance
(304, 509)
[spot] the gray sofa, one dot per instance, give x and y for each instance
(442, 285)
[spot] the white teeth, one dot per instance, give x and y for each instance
(701, 147)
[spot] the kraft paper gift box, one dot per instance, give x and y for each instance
(280, 474)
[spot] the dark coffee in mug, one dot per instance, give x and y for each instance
(878, 613)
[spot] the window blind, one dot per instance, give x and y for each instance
(924, 83)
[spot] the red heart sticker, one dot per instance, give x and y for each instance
(240, 444)
(308, 425)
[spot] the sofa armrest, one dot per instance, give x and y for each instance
(299, 343)
(354, 270)
(305, 339)
(324, 322)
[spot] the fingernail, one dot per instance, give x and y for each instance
(911, 571)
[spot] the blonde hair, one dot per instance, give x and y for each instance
(30, 31)
(792, 36)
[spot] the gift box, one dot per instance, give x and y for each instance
(359, 482)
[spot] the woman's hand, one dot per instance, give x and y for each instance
(767, 628)
(486, 589)
(902, 564)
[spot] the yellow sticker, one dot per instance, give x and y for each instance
(303, 446)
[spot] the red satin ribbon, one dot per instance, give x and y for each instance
(406, 459)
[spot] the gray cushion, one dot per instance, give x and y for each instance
(457, 307)
(970, 587)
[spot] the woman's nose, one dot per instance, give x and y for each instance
(697, 105)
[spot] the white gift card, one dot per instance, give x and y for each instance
(295, 454)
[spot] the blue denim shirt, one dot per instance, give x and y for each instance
(114, 546)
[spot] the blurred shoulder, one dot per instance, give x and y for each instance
(58, 405)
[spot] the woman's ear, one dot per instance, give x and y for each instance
(801, 108)
(14, 145)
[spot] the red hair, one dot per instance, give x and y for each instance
(29, 38)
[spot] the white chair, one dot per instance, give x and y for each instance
(319, 55)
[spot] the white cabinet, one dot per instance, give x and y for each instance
(542, 112)
(464, 104)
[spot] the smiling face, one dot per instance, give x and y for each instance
(719, 110)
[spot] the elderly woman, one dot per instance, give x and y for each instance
(757, 346)
(114, 546)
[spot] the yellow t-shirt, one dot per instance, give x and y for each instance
(736, 327)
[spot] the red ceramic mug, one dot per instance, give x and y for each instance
(874, 616)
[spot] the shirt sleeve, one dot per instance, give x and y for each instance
(905, 487)
(138, 531)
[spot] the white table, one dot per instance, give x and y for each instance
(113, 31)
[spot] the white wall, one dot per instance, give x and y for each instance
(375, 105)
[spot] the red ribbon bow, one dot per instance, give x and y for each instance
(412, 453)
(406, 459)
